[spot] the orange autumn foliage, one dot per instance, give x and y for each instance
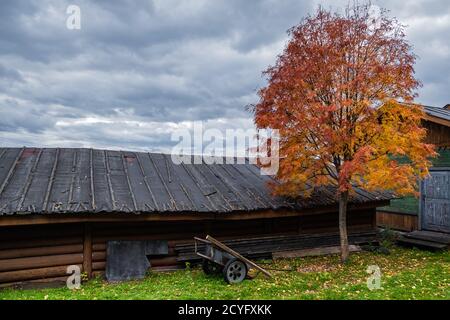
(334, 97)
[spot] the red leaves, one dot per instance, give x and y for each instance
(324, 95)
(355, 166)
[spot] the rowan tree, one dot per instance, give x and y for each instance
(340, 95)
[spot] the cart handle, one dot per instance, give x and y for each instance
(196, 248)
(237, 255)
(202, 240)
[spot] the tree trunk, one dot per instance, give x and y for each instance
(343, 200)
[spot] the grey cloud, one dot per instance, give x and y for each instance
(160, 62)
(9, 74)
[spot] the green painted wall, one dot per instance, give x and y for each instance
(407, 205)
(443, 160)
(410, 205)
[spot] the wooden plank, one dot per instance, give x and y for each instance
(99, 246)
(32, 233)
(153, 227)
(438, 237)
(184, 216)
(422, 243)
(37, 262)
(167, 268)
(31, 274)
(131, 237)
(437, 120)
(313, 252)
(101, 265)
(91, 178)
(435, 202)
(51, 181)
(87, 250)
(99, 256)
(34, 243)
(40, 251)
(397, 221)
(54, 282)
(11, 171)
(237, 255)
(165, 261)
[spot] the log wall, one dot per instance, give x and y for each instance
(437, 134)
(33, 253)
(43, 253)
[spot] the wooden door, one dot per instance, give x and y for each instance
(435, 201)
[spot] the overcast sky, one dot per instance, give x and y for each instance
(138, 70)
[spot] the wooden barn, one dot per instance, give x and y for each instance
(60, 207)
(405, 214)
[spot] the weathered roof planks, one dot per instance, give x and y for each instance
(441, 113)
(66, 180)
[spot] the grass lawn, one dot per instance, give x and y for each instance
(406, 274)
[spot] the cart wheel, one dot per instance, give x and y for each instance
(235, 271)
(210, 267)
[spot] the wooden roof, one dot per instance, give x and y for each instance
(437, 115)
(63, 180)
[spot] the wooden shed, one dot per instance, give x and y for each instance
(404, 214)
(60, 207)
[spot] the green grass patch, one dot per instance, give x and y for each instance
(406, 274)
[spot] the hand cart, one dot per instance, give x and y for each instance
(217, 257)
